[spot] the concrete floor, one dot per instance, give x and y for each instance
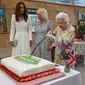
(81, 69)
(5, 52)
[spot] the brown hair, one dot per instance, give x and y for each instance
(17, 11)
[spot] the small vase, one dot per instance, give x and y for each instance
(67, 68)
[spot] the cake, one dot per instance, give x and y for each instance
(25, 68)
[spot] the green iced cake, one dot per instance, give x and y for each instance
(28, 60)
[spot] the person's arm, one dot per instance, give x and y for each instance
(50, 27)
(30, 30)
(51, 33)
(71, 35)
(12, 29)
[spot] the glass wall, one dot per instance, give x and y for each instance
(68, 2)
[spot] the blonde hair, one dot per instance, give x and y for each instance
(43, 13)
(64, 16)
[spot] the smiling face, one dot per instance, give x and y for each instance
(22, 9)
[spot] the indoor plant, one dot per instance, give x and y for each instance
(81, 29)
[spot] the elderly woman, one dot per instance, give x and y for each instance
(64, 32)
(41, 28)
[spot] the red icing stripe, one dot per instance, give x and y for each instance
(29, 77)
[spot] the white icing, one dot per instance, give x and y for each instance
(22, 69)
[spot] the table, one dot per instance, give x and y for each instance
(72, 78)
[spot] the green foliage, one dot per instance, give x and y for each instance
(65, 55)
(81, 27)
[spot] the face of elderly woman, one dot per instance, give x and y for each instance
(62, 24)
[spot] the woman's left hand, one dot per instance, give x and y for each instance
(30, 42)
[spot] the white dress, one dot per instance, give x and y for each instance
(23, 33)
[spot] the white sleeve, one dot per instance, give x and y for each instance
(12, 30)
(29, 28)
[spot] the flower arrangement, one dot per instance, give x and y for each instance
(67, 54)
(65, 49)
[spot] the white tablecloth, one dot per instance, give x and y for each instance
(80, 49)
(72, 78)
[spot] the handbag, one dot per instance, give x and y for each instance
(15, 41)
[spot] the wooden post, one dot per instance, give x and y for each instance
(0, 1)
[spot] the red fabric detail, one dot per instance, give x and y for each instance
(29, 77)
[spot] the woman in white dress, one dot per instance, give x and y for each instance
(20, 31)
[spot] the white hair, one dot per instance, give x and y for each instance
(43, 13)
(64, 16)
